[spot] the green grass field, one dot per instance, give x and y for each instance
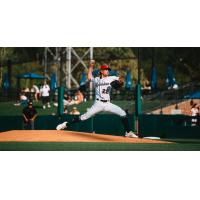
(84, 146)
(8, 108)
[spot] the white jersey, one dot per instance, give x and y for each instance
(45, 90)
(102, 87)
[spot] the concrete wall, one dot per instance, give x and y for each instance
(183, 106)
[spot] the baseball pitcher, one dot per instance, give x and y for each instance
(102, 85)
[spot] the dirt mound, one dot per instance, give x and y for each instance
(66, 136)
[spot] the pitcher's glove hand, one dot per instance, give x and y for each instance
(116, 84)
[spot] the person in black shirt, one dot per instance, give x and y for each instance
(29, 114)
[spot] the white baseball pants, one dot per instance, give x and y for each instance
(99, 106)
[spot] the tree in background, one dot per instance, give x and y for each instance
(185, 61)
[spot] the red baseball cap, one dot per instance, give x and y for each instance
(103, 67)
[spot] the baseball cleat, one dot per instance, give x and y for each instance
(131, 134)
(62, 126)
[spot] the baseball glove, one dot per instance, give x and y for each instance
(116, 84)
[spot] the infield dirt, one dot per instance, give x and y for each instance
(66, 136)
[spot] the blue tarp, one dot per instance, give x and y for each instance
(128, 80)
(83, 79)
(170, 80)
(30, 76)
(5, 83)
(153, 78)
(53, 83)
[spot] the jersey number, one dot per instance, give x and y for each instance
(106, 91)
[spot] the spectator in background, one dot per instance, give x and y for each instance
(66, 102)
(23, 100)
(26, 90)
(194, 114)
(74, 111)
(29, 114)
(36, 91)
(198, 116)
(146, 85)
(78, 97)
(45, 94)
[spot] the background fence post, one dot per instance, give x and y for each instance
(60, 100)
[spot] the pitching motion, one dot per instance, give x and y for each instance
(102, 85)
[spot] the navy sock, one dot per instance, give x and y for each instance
(125, 123)
(74, 120)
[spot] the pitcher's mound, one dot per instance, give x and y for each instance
(66, 136)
